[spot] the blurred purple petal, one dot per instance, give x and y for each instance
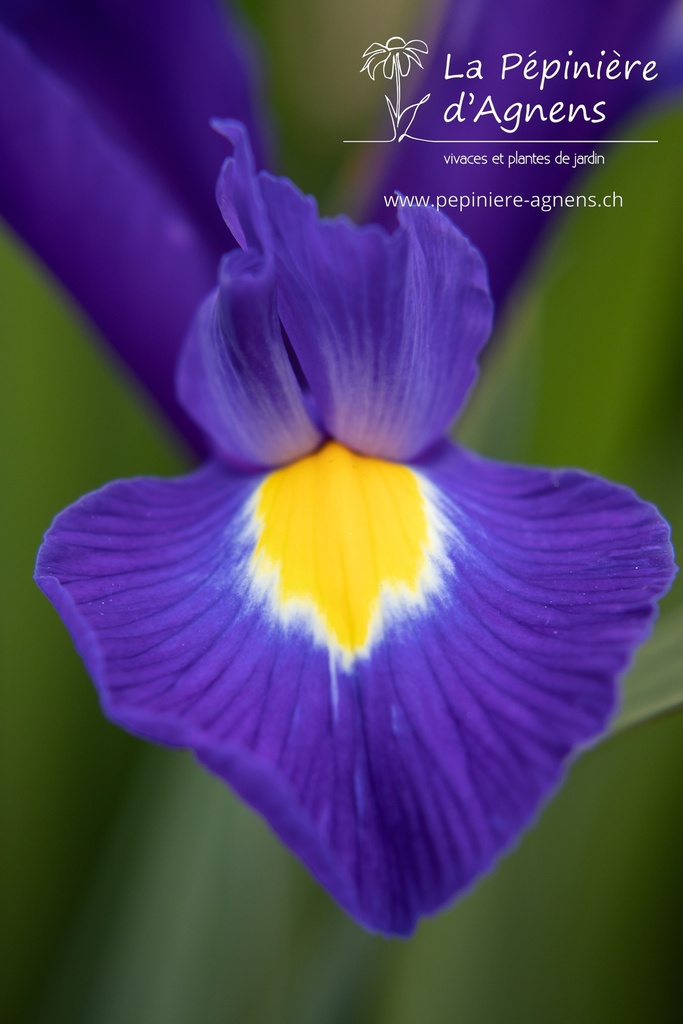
(485, 30)
(106, 142)
(387, 328)
(399, 778)
(152, 74)
(107, 227)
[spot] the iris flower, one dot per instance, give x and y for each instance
(387, 645)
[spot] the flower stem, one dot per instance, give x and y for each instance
(397, 68)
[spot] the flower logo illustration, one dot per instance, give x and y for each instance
(396, 57)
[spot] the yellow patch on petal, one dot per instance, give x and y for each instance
(339, 537)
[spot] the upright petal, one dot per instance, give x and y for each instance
(399, 769)
(235, 378)
(484, 30)
(106, 226)
(387, 328)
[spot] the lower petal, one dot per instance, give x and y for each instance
(397, 767)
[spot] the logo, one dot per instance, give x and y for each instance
(536, 91)
(395, 58)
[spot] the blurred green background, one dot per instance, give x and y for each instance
(135, 888)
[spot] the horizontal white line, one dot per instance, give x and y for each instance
(517, 142)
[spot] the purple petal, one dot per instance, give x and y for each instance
(399, 778)
(235, 378)
(470, 717)
(386, 328)
(476, 30)
(108, 229)
(148, 576)
(104, 127)
(152, 74)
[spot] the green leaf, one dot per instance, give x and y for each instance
(654, 685)
(197, 914)
(70, 419)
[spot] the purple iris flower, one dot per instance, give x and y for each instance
(389, 646)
